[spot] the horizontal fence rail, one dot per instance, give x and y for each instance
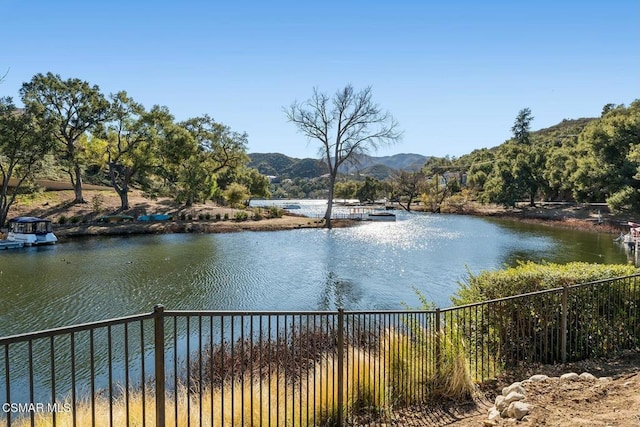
(322, 368)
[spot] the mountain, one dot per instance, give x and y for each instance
(283, 166)
(276, 164)
(403, 161)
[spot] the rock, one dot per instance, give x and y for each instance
(518, 410)
(489, 423)
(501, 403)
(513, 397)
(517, 387)
(537, 378)
(605, 379)
(572, 376)
(494, 414)
(586, 376)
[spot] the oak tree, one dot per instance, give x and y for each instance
(73, 108)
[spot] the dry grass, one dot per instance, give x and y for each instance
(375, 381)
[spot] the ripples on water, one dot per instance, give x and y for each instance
(369, 266)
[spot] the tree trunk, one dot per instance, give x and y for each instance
(123, 191)
(77, 184)
(327, 214)
(124, 200)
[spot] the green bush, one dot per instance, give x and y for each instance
(62, 219)
(226, 216)
(241, 216)
(207, 216)
(74, 219)
(276, 212)
(218, 217)
(531, 277)
(527, 329)
(257, 215)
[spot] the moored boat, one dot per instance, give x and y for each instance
(30, 230)
(381, 216)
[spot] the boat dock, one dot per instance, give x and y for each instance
(8, 244)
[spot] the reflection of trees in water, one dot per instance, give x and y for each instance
(338, 292)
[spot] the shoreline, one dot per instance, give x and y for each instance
(67, 232)
(288, 222)
(55, 205)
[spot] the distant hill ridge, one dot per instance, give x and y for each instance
(277, 164)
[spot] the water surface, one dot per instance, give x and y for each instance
(369, 266)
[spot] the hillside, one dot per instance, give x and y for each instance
(282, 166)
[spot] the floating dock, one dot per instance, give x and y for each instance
(9, 244)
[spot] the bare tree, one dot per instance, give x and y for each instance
(347, 125)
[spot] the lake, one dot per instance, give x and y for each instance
(369, 266)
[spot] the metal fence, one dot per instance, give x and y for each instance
(228, 368)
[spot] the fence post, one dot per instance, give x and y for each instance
(340, 367)
(158, 332)
(438, 343)
(563, 332)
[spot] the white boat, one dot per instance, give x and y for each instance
(31, 231)
(381, 216)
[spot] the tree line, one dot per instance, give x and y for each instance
(70, 125)
(584, 160)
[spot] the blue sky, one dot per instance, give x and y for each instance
(453, 73)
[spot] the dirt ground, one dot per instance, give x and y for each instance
(556, 403)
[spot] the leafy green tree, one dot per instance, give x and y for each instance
(256, 183)
(501, 186)
(206, 149)
(73, 108)
(224, 147)
(347, 125)
(607, 165)
(408, 186)
(346, 189)
(236, 194)
(130, 146)
(23, 143)
(479, 164)
(518, 170)
(369, 190)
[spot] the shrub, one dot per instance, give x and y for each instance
(257, 215)
(201, 217)
(276, 212)
(62, 219)
(218, 217)
(97, 202)
(207, 216)
(226, 216)
(531, 277)
(527, 328)
(235, 194)
(241, 216)
(74, 219)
